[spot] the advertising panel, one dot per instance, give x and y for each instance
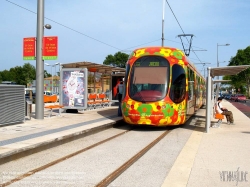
(29, 48)
(116, 78)
(50, 48)
(74, 88)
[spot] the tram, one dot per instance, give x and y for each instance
(162, 88)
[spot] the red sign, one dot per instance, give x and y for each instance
(29, 48)
(50, 46)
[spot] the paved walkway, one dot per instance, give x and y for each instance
(218, 158)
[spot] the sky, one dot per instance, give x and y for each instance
(90, 30)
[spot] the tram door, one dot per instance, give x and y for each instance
(115, 80)
(191, 94)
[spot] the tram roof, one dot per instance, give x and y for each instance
(94, 67)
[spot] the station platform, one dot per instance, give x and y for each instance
(217, 158)
(18, 140)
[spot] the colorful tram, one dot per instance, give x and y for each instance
(162, 88)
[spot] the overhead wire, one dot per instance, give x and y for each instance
(181, 28)
(79, 31)
(90, 36)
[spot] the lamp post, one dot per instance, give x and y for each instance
(55, 74)
(54, 65)
(217, 85)
(39, 61)
(203, 63)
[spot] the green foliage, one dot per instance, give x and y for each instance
(46, 74)
(118, 60)
(19, 74)
(242, 80)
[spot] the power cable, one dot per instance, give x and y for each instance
(181, 28)
(85, 34)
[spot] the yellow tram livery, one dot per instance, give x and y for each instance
(162, 88)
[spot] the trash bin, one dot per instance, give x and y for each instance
(28, 107)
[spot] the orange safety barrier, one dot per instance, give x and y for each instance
(52, 99)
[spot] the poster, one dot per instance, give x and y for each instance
(74, 88)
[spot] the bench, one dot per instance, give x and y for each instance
(52, 99)
(97, 100)
(104, 100)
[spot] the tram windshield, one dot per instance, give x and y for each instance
(149, 79)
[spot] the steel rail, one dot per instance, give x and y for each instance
(111, 177)
(29, 173)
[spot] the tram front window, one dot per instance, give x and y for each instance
(147, 83)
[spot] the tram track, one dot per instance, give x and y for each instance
(43, 167)
(105, 181)
(116, 173)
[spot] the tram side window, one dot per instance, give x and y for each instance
(178, 86)
(190, 84)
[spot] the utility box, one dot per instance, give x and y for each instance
(12, 104)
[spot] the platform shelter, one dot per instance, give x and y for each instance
(218, 71)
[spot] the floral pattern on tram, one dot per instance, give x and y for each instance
(164, 112)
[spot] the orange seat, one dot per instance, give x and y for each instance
(219, 116)
(52, 99)
(92, 102)
(104, 101)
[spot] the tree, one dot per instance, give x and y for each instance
(29, 72)
(118, 60)
(7, 76)
(46, 74)
(242, 80)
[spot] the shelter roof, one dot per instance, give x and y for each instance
(94, 67)
(228, 70)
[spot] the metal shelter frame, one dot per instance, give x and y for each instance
(94, 67)
(211, 73)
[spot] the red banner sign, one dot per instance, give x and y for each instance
(50, 48)
(29, 48)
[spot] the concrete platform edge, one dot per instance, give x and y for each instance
(19, 153)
